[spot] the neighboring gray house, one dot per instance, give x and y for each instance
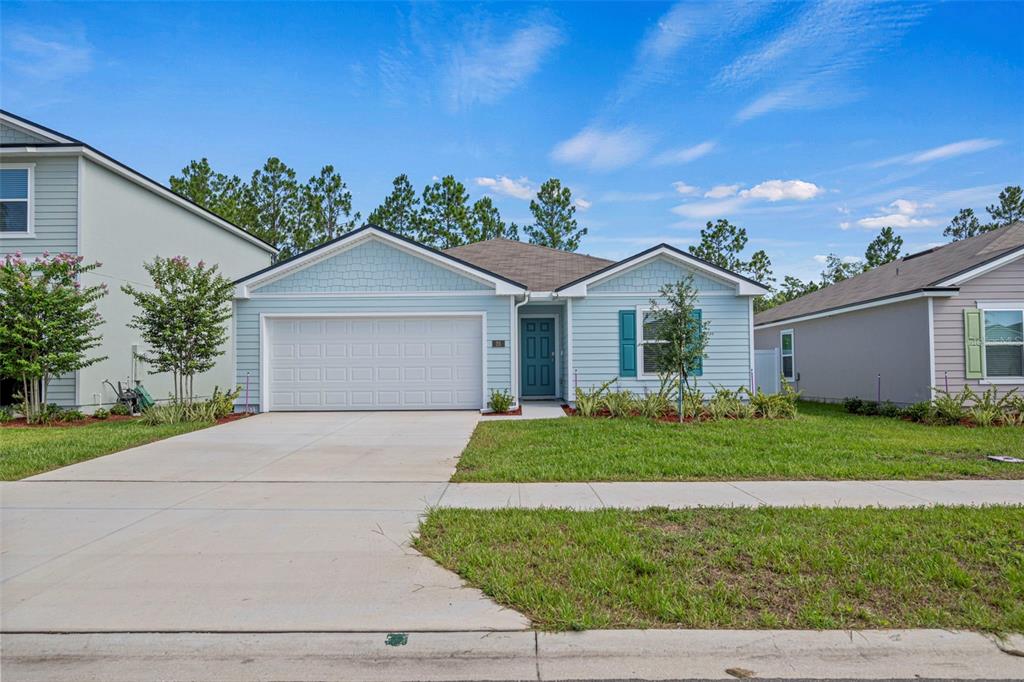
(59, 195)
(942, 318)
(373, 320)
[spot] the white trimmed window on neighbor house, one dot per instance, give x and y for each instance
(788, 356)
(15, 200)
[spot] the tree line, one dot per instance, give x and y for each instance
(295, 216)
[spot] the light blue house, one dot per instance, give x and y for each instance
(376, 321)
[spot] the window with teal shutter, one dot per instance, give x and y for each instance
(627, 343)
(698, 369)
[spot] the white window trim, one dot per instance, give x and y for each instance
(641, 371)
(792, 354)
(30, 232)
(1012, 379)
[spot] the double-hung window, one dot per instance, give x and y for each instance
(15, 201)
(1004, 343)
(788, 368)
(651, 347)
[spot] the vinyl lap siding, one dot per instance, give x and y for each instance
(1003, 284)
(247, 330)
(55, 193)
(595, 354)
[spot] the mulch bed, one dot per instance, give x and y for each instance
(20, 422)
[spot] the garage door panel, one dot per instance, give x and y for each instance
(375, 363)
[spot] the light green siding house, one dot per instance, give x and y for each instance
(60, 195)
(376, 321)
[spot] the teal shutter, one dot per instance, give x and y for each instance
(973, 351)
(698, 369)
(627, 343)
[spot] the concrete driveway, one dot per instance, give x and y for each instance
(280, 522)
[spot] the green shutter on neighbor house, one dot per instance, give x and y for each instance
(627, 343)
(973, 349)
(698, 369)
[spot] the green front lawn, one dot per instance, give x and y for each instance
(823, 442)
(943, 567)
(26, 451)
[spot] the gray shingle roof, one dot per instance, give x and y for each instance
(903, 276)
(538, 267)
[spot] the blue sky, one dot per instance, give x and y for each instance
(811, 125)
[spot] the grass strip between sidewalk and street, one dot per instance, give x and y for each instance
(26, 451)
(824, 442)
(767, 568)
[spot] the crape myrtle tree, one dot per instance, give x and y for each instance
(682, 336)
(182, 319)
(48, 322)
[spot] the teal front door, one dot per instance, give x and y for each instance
(537, 351)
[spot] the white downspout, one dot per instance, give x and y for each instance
(515, 345)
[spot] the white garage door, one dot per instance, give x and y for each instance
(375, 363)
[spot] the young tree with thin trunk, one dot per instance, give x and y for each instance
(681, 333)
(183, 320)
(48, 322)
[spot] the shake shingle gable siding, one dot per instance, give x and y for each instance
(369, 267)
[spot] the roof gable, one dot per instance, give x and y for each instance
(372, 266)
(743, 286)
(651, 275)
(371, 269)
(945, 266)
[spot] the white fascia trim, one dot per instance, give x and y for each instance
(981, 269)
(860, 306)
(655, 294)
(743, 287)
(34, 130)
(501, 287)
(142, 181)
(366, 294)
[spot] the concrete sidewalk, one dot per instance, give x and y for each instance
(681, 495)
(593, 655)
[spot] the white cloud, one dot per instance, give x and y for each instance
(845, 259)
(777, 190)
(946, 151)
(51, 57)
(845, 225)
(726, 199)
(682, 155)
(617, 196)
(709, 209)
(899, 214)
(721, 191)
(805, 64)
(485, 69)
(682, 188)
(603, 150)
(519, 189)
(583, 204)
